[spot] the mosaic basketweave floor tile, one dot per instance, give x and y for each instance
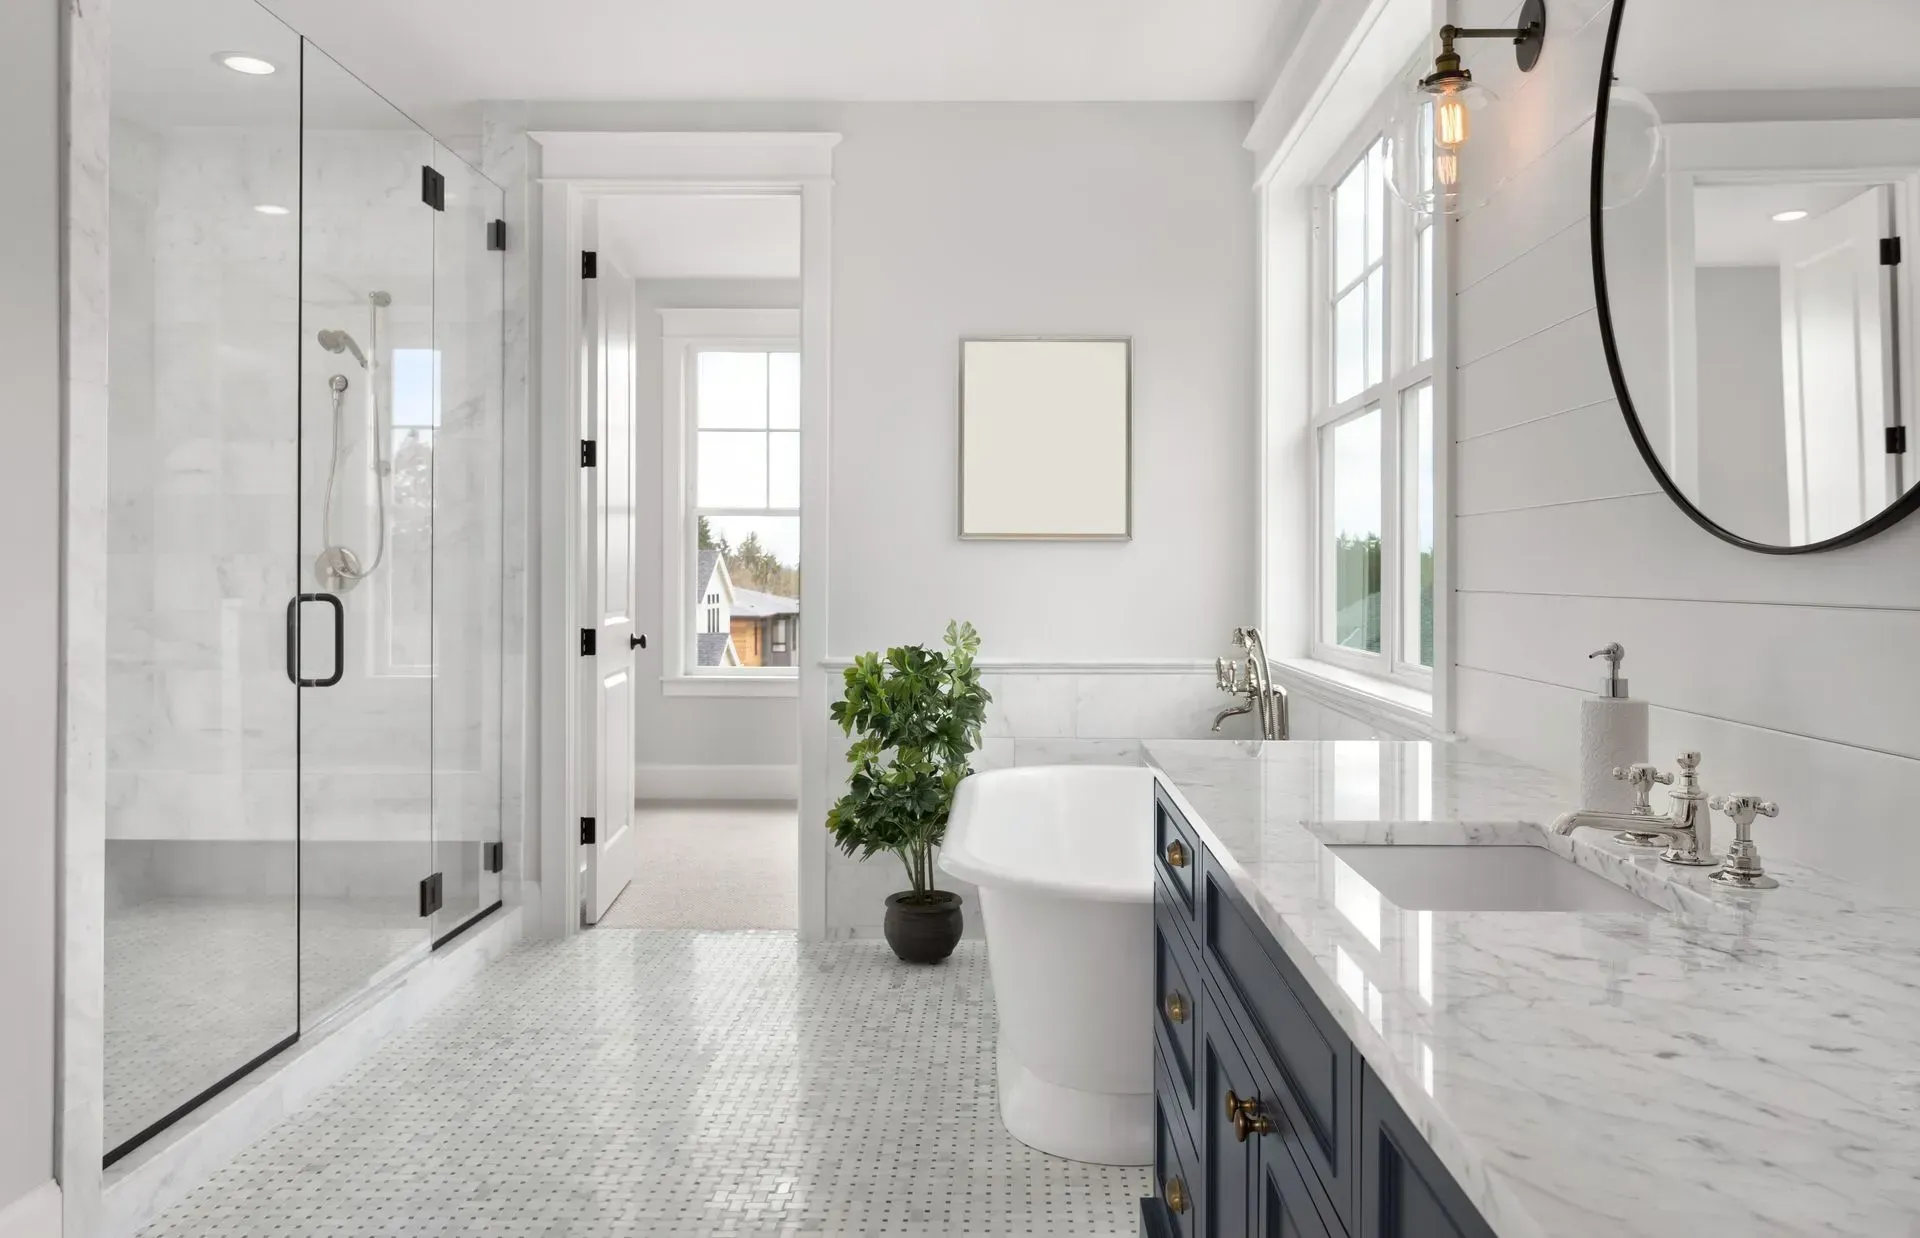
(674, 1083)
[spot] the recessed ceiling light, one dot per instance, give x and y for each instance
(240, 62)
(269, 208)
(1787, 217)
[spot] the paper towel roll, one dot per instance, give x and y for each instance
(1613, 733)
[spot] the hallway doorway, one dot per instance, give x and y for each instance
(711, 865)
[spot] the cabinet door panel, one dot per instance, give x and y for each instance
(1284, 1208)
(1407, 1192)
(1226, 1204)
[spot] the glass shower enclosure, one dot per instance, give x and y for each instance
(304, 471)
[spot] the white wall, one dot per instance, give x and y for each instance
(29, 606)
(951, 219)
(1795, 676)
(675, 731)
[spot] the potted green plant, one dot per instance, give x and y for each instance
(916, 715)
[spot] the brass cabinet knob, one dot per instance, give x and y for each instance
(1176, 1008)
(1176, 1195)
(1177, 854)
(1248, 1117)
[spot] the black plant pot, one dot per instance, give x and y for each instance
(923, 928)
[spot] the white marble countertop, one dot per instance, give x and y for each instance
(1737, 1064)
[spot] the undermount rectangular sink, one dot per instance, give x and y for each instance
(1484, 878)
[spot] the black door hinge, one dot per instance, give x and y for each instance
(431, 896)
(433, 188)
(1890, 251)
(496, 857)
(589, 264)
(589, 453)
(588, 645)
(586, 831)
(496, 234)
(1896, 440)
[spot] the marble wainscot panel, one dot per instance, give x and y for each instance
(1737, 1063)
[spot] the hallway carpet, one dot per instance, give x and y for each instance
(680, 1084)
(712, 866)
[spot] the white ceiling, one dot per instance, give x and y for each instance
(431, 55)
(1734, 224)
(1774, 45)
(695, 237)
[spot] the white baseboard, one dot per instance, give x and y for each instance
(34, 1215)
(716, 782)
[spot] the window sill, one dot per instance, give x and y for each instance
(1351, 692)
(724, 685)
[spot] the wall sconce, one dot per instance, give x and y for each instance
(1424, 159)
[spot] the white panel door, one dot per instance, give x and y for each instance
(1834, 313)
(607, 579)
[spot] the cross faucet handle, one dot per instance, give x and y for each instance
(1642, 777)
(1743, 809)
(1743, 870)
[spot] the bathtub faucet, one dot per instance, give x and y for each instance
(1263, 695)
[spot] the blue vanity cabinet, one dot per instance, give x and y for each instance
(1321, 1150)
(1409, 1193)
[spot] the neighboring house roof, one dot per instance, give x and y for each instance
(753, 604)
(715, 649)
(703, 572)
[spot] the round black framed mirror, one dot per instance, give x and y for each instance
(1755, 219)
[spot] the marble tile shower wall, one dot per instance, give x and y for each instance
(209, 446)
(201, 487)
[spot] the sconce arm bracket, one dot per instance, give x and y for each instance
(1528, 37)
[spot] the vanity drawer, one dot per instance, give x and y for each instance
(1176, 849)
(1308, 1060)
(1176, 1166)
(1176, 996)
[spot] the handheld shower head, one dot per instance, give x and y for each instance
(340, 341)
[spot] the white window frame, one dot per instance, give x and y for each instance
(685, 333)
(1403, 375)
(379, 611)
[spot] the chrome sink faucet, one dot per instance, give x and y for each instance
(1686, 825)
(1269, 699)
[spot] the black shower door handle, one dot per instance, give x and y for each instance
(339, 640)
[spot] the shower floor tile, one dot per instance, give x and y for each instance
(673, 1083)
(197, 987)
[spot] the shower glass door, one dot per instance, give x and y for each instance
(370, 377)
(463, 444)
(201, 793)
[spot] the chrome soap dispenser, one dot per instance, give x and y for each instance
(1613, 735)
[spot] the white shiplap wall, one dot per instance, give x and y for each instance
(1797, 677)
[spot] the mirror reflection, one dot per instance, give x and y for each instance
(1763, 319)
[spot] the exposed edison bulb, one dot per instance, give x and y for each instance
(1446, 169)
(1450, 127)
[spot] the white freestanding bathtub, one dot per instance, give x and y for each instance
(1063, 856)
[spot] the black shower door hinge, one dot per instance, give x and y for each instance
(432, 898)
(586, 831)
(496, 234)
(589, 264)
(1890, 251)
(1896, 440)
(496, 857)
(589, 453)
(588, 644)
(433, 188)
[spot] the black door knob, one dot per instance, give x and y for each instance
(636, 642)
